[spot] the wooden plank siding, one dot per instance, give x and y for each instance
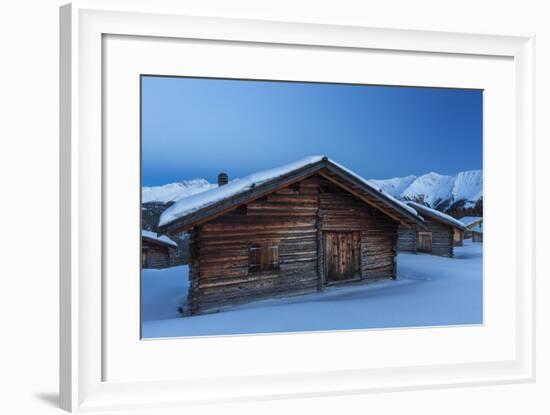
(293, 219)
(344, 212)
(406, 239)
(154, 255)
(477, 237)
(442, 239)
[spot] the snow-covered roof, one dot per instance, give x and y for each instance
(468, 220)
(478, 229)
(161, 239)
(194, 203)
(436, 214)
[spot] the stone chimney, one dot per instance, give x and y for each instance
(222, 179)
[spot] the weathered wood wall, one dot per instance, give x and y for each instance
(477, 237)
(155, 256)
(442, 237)
(220, 250)
(293, 218)
(342, 211)
(406, 239)
(458, 237)
(468, 232)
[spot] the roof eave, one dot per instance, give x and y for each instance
(442, 220)
(158, 242)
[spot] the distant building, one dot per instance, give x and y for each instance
(156, 251)
(477, 233)
(470, 222)
(439, 234)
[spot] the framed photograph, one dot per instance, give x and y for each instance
(256, 210)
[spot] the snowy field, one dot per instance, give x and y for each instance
(429, 291)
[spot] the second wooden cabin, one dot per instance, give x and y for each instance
(477, 233)
(471, 222)
(287, 231)
(439, 234)
(156, 251)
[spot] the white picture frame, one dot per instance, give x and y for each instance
(84, 27)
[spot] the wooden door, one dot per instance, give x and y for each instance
(342, 255)
(424, 243)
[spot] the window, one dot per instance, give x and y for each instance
(263, 257)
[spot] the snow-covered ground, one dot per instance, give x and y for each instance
(429, 291)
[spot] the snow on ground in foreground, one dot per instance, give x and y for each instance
(429, 291)
(162, 292)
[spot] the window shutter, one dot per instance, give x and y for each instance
(263, 257)
(273, 256)
(254, 259)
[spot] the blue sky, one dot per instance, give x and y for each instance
(195, 128)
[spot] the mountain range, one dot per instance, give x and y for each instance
(458, 195)
(454, 194)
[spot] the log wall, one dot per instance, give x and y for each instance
(406, 239)
(155, 256)
(442, 238)
(342, 211)
(477, 237)
(293, 218)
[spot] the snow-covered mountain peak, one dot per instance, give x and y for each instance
(431, 176)
(437, 190)
(468, 185)
(173, 192)
(395, 185)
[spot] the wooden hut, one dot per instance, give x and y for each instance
(477, 233)
(286, 231)
(439, 234)
(471, 222)
(156, 251)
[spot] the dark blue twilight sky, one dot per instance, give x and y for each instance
(194, 128)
